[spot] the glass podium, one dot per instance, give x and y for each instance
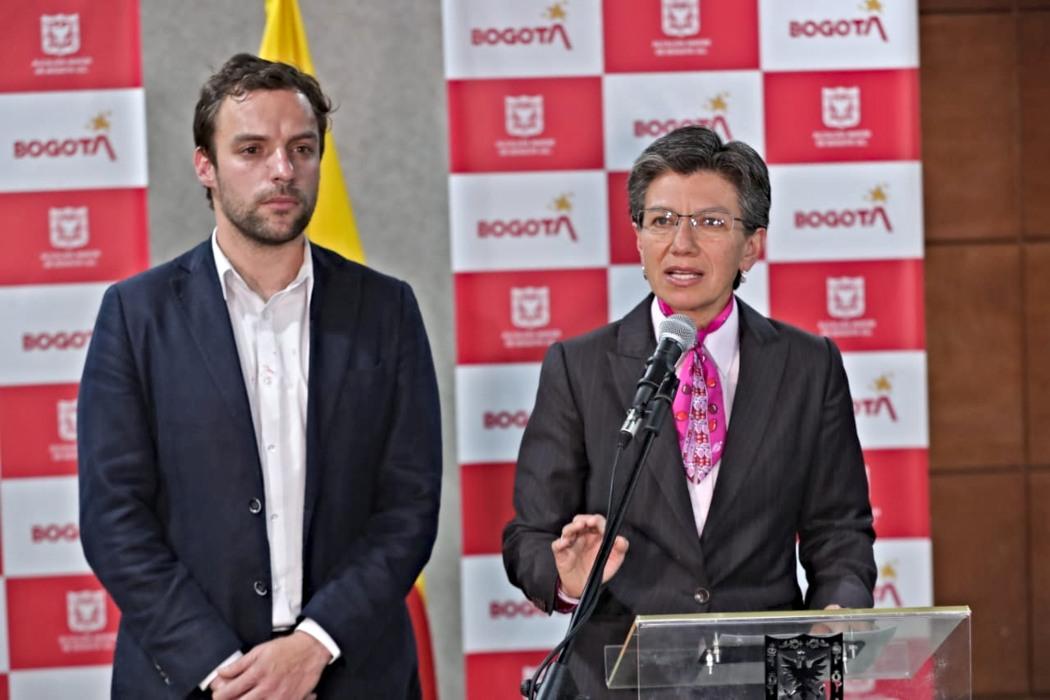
(902, 653)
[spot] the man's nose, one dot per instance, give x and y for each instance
(281, 165)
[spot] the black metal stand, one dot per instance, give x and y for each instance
(557, 684)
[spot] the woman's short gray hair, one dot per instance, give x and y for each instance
(696, 148)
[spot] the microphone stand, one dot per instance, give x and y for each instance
(558, 683)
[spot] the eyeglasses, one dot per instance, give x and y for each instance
(710, 223)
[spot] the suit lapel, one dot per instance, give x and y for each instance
(663, 469)
(762, 361)
(196, 286)
(335, 308)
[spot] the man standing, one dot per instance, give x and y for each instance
(260, 446)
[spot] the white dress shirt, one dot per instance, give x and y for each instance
(723, 346)
(273, 346)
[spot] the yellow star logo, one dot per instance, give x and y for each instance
(562, 202)
(556, 12)
(100, 122)
(877, 194)
(883, 384)
(718, 102)
(871, 6)
(887, 571)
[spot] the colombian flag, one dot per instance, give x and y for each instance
(332, 226)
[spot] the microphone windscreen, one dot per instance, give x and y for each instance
(679, 328)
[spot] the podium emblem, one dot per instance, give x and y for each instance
(805, 667)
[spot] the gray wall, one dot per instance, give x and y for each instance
(381, 63)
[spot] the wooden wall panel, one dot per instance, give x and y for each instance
(1039, 576)
(1037, 355)
(969, 78)
(986, 96)
(1035, 132)
(974, 333)
(979, 532)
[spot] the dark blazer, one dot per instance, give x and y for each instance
(792, 465)
(170, 479)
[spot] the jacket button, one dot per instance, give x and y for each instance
(260, 588)
(702, 596)
(255, 506)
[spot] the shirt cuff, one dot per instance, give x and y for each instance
(315, 630)
(565, 602)
(211, 676)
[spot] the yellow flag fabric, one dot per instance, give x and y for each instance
(332, 226)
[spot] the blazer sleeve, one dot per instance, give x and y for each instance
(381, 565)
(549, 483)
(161, 604)
(835, 525)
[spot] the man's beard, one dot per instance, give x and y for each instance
(247, 218)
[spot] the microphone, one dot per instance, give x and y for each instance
(676, 335)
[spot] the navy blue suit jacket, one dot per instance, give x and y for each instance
(170, 474)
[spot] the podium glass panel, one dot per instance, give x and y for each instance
(921, 653)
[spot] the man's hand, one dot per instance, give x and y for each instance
(576, 549)
(287, 668)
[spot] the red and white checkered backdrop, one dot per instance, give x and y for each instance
(73, 214)
(549, 103)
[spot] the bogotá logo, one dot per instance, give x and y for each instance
(66, 412)
(680, 18)
(65, 450)
(845, 297)
(85, 611)
(523, 115)
(530, 307)
(97, 140)
(523, 121)
(869, 24)
(840, 112)
(840, 107)
(680, 26)
(886, 593)
(846, 305)
(533, 227)
(872, 216)
(879, 403)
(530, 316)
(60, 45)
(542, 34)
(68, 227)
(60, 34)
(69, 233)
(715, 119)
(86, 620)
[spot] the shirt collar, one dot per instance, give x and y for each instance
(722, 345)
(227, 273)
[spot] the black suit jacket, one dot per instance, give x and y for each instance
(792, 466)
(170, 474)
